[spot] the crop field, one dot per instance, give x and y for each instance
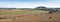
(28, 16)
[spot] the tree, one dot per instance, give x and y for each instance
(41, 8)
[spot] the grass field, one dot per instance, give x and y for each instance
(19, 11)
(28, 16)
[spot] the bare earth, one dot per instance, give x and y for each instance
(34, 17)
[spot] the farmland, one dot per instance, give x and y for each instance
(28, 16)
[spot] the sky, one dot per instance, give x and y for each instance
(29, 3)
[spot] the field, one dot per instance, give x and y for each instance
(28, 16)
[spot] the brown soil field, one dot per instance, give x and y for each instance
(33, 17)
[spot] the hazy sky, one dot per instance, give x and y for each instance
(29, 3)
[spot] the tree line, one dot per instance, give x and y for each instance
(37, 8)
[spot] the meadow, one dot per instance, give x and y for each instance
(2, 12)
(28, 16)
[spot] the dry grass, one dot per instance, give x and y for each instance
(28, 16)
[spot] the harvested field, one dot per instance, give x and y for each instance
(28, 16)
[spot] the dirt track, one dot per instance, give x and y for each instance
(35, 17)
